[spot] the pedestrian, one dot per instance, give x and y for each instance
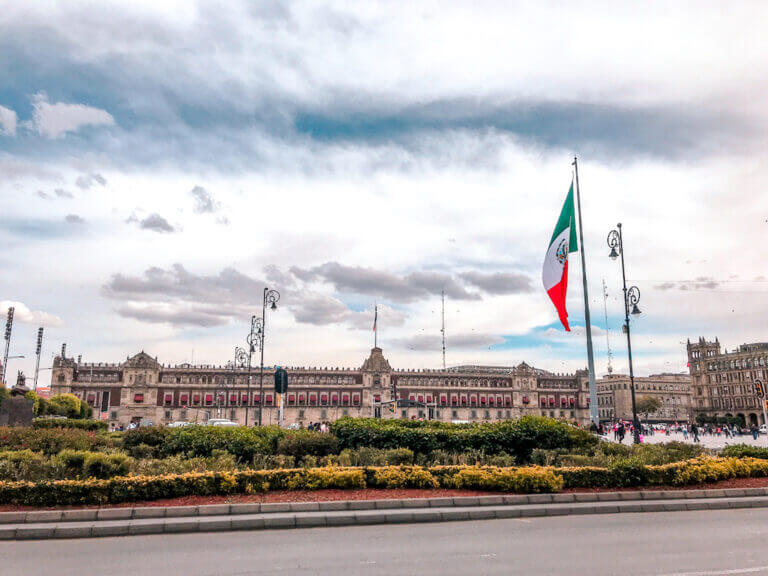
(753, 429)
(695, 433)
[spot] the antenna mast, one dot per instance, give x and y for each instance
(607, 337)
(442, 330)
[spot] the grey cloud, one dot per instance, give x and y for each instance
(156, 223)
(499, 282)
(699, 283)
(426, 342)
(61, 193)
(74, 219)
(43, 195)
(204, 202)
(321, 309)
(407, 288)
(176, 316)
(87, 181)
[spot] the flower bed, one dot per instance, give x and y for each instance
(529, 479)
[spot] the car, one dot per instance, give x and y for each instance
(221, 422)
(178, 424)
(762, 429)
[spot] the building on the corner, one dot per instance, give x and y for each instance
(143, 388)
(723, 383)
(614, 397)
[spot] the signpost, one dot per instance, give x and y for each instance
(281, 387)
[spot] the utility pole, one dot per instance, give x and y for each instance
(607, 337)
(38, 350)
(8, 330)
(442, 330)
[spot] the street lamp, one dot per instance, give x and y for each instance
(271, 297)
(255, 339)
(631, 298)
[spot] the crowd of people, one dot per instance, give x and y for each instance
(621, 429)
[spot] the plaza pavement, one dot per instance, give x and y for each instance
(707, 441)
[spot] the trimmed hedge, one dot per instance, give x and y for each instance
(518, 438)
(742, 450)
(52, 440)
(91, 425)
(529, 479)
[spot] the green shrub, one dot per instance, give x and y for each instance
(67, 405)
(91, 425)
(100, 465)
(25, 465)
(153, 436)
(52, 440)
(244, 443)
(745, 450)
(517, 438)
(400, 477)
(530, 479)
(300, 443)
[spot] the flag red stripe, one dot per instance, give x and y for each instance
(557, 295)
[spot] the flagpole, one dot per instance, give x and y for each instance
(593, 413)
(375, 327)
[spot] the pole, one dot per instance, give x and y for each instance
(261, 340)
(375, 325)
(635, 422)
(280, 401)
(37, 352)
(593, 409)
(442, 296)
(250, 354)
(8, 329)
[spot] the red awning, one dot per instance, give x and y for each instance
(184, 398)
(508, 401)
(543, 401)
(429, 399)
(355, 398)
(526, 400)
(291, 398)
(572, 401)
(139, 397)
(421, 398)
(233, 398)
(256, 399)
(482, 399)
(377, 398)
(443, 400)
(208, 398)
(551, 401)
(168, 398)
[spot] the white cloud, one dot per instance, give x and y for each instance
(23, 314)
(55, 120)
(8, 121)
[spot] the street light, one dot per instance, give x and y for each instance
(271, 297)
(255, 339)
(631, 298)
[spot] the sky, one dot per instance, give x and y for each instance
(161, 162)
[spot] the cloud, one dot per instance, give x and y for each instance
(321, 309)
(154, 222)
(698, 283)
(87, 181)
(74, 219)
(204, 202)
(61, 193)
(23, 314)
(407, 288)
(8, 121)
(433, 342)
(43, 195)
(178, 297)
(55, 120)
(499, 282)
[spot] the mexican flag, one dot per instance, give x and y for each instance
(555, 272)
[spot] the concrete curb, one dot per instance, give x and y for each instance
(147, 512)
(218, 518)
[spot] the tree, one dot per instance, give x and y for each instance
(648, 405)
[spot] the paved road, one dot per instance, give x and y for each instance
(710, 543)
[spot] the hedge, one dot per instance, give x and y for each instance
(91, 425)
(741, 450)
(52, 440)
(518, 438)
(528, 479)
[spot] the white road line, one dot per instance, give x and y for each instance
(753, 570)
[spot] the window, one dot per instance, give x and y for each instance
(113, 415)
(454, 414)
(195, 399)
(208, 399)
(168, 400)
(474, 414)
(138, 398)
(167, 414)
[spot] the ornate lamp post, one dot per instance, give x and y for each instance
(631, 298)
(255, 339)
(271, 297)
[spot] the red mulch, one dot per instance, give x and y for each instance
(378, 494)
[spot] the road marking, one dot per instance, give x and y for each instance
(752, 570)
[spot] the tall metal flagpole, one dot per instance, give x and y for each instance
(375, 326)
(593, 413)
(442, 330)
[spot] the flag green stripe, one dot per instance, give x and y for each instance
(567, 219)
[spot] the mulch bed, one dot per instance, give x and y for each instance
(376, 494)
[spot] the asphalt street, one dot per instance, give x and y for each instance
(708, 543)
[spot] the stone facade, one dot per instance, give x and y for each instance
(723, 383)
(614, 397)
(142, 388)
